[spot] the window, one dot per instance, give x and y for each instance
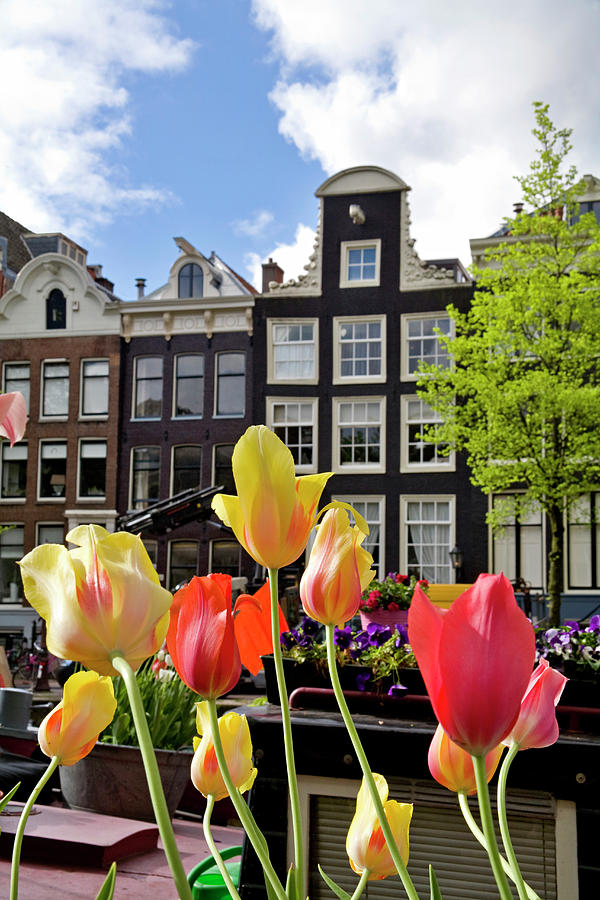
(17, 378)
(226, 557)
(415, 451)
(359, 263)
(92, 469)
(427, 536)
(152, 550)
(183, 562)
(231, 384)
(518, 542)
(358, 437)
(14, 471)
(12, 548)
(56, 310)
(292, 350)
(420, 343)
(145, 476)
(223, 469)
(55, 388)
(584, 542)
(189, 386)
(187, 466)
(50, 533)
(147, 400)
(94, 387)
(53, 469)
(359, 349)
(372, 509)
(191, 281)
(294, 422)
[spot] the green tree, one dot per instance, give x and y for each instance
(522, 398)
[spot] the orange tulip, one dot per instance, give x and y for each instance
(13, 416)
(273, 512)
(453, 767)
(365, 844)
(252, 627)
(237, 747)
(71, 730)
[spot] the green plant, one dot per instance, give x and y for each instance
(393, 593)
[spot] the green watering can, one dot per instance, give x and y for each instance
(207, 882)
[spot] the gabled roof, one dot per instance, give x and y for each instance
(17, 253)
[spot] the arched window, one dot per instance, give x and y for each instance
(56, 309)
(191, 281)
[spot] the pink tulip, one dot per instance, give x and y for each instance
(453, 767)
(474, 683)
(537, 725)
(13, 416)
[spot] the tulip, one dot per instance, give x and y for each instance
(71, 730)
(453, 767)
(273, 512)
(237, 747)
(102, 598)
(338, 570)
(365, 844)
(252, 627)
(475, 692)
(201, 639)
(537, 725)
(13, 416)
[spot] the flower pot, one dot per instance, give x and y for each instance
(112, 780)
(385, 617)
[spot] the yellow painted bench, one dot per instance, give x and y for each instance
(443, 595)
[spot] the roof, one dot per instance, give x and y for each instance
(242, 280)
(361, 180)
(18, 254)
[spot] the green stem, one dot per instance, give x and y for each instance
(361, 884)
(241, 807)
(503, 820)
(487, 823)
(16, 854)
(287, 737)
(157, 795)
(210, 802)
(364, 764)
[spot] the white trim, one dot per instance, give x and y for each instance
(352, 498)
(338, 323)
(59, 417)
(345, 247)
(178, 356)
(134, 382)
(271, 324)
(357, 468)
(271, 401)
(403, 500)
(89, 417)
(405, 375)
(565, 830)
(449, 462)
(216, 376)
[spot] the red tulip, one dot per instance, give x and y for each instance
(201, 639)
(453, 767)
(252, 626)
(537, 725)
(475, 659)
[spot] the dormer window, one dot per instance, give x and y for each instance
(56, 310)
(359, 263)
(191, 281)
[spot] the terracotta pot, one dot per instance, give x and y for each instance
(112, 780)
(389, 617)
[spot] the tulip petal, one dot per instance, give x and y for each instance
(71, 730)
(252, 626)
(537, 725)
(13, 416)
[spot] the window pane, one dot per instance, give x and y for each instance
(428, 540)
(423, 344)
(56, 310)
(53, 469)
(11, 549)
(226, 557)
(92, 469)
(231, 384)
(184, 562)
(293, 352)
(285, 419)
(17, 378)
(55, 400)
(148, 387)
(223, 469)
(14, 470)
(145, 476)
(94, 400)
(360, 349)
(187, 465)
(189, 385)
(51, 534)
(191, 281)
(359, 444)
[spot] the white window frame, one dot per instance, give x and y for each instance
(175, 447)
(593, 532)
(59, 417)
(42, 442)
(92, 498)
(40, 525)
(271, 402)
(405, 499)
(271, 376)
(440, 463)
(345, 248)
(405, 375)
(177, 357)
(134, 386)
(98, 417)
(542, 527)
(5, 445)
(353, 499)
(338, 324)
(356, 468)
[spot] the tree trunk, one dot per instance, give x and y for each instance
(555, 563)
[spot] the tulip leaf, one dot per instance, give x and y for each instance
(337, 890)
(108, 888)
(436, 894)
(290, 885)
(9, 796)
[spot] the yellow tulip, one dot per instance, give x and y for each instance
(365, 845)
(237, 746)
(101, 598)
(71, 730)
(273, 512)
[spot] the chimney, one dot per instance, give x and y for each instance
(140, 284)
(517, 208)
(271, 272)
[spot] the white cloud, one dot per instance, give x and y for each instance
(63, 106)
(439, 93)
(254, 226)
(292, 258)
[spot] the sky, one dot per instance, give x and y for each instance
(125, 123)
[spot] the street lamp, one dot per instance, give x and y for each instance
(456, 558)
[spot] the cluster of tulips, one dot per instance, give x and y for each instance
(104, 606)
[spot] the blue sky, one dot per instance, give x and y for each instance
(125, 123)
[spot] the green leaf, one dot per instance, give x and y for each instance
(270, 889)
(290, 885)
(436, 894)
(108, 888)
(9, 796)
(337, 890)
